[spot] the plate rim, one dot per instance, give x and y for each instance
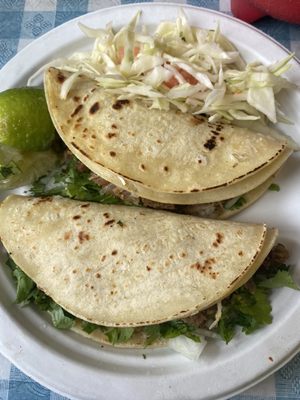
(293, 352)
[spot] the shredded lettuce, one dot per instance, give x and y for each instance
(192, 69)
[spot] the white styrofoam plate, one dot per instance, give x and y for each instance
(81, 369)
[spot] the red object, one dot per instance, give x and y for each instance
(245, 10)
(251, 10)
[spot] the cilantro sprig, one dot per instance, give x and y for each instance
(239, 202)
(28, 292)
(69, 181)
(274, 187)
(249, 307)
(6, 171)
(169, 330)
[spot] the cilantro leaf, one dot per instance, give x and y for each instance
(24, 287)
(240, 201)
(28, 292)
(41, 300)
(152, 332)
(247, 309)
(6, 171)
(269, 272)
(274, 187)
(61, 319)
(69, 181)
(88, 327)
(281, 279)
(176, 328)
(169, 330)
(118, 335)
(11, 264)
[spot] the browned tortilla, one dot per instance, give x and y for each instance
(165, 156)
(128, 266)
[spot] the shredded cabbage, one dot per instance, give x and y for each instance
(187, 347)
(195, 70)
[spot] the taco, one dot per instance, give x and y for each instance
(167, 157)
(120, 267)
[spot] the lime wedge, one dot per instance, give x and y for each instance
(25, 123)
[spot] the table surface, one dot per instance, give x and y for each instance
(21, 22)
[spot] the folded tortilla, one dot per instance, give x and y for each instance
(164, 156)
(122, 266)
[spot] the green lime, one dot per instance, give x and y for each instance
(25, 123)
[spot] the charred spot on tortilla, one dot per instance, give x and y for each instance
(194, 190)
(76, 217)
(85, 205)
(60, 77)
(112, 153)
(111, 135)
(119, 104)
(210, 144)
(80, 150)
(86, 97)
(109, 222)
(106, 215)
(166, 168)
(76, 98)
(219, 239)
(214, 274)
(241, 253)
(76, 111)
(148, 268)
(46, 199)
(233, 282)
(82, 236)
(142, 167)
(94, 108)
(114, 252)
(114, 126)
(67, 235)
(197, 120)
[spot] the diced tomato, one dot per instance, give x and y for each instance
(136, 51)
(188, 77)
(171, 82)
